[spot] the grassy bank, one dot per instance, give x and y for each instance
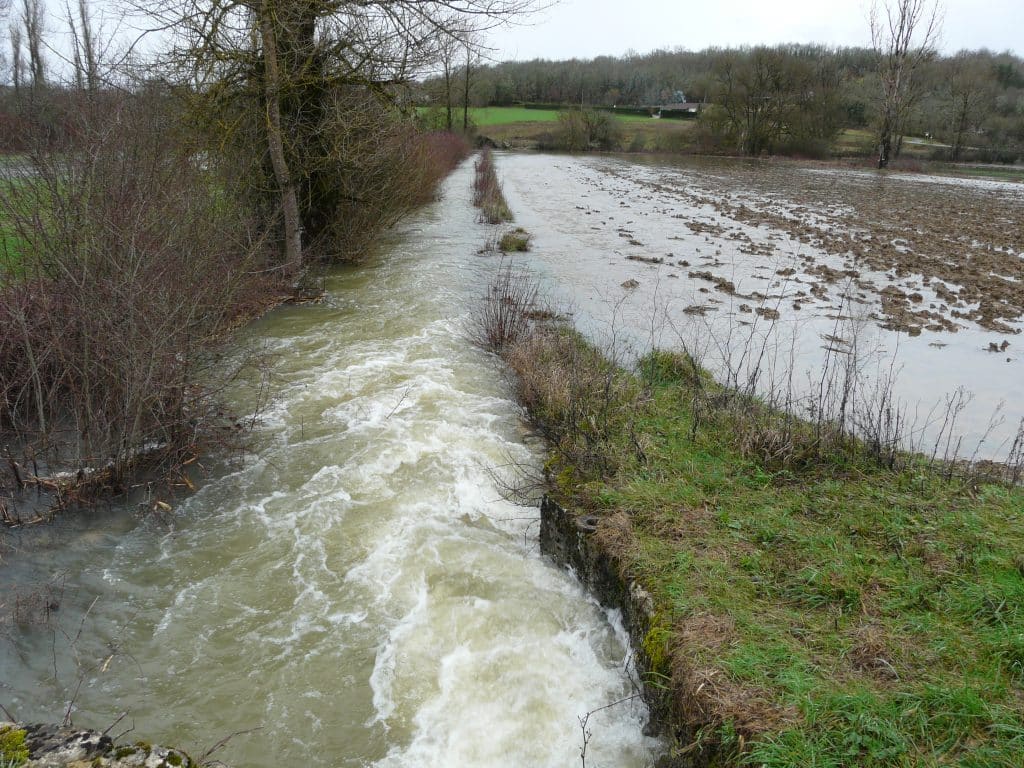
(817, 611)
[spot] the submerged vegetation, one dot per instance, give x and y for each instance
(817, 602)
(515, 241)
(487, 193)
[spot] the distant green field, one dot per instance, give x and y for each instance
(484, 116)
(491, 116)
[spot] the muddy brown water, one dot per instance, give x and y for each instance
(924, 274)
(356, 589)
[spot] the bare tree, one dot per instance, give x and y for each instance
(971, 97)
(448, 50)
(32, 18)
(282, 69)
(85, 49)
(17, 58)
(904, 34)
(471, 44)
(76, 48)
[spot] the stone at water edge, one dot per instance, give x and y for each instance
(54, 746)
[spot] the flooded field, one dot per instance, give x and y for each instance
(792, 263)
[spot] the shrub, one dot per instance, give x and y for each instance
(587, 129)
(579, 399)
(502, 319)
(133, 262)
(516, 240)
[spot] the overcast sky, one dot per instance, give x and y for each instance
(589, 28)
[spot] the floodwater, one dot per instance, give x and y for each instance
(922, 275)
(353, 593)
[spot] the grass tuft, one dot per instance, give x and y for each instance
(13, 749)
(515, 241)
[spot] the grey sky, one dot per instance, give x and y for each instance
(588, 28)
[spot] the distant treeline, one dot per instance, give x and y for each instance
(767, 97)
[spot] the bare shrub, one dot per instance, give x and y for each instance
(1014, 465)
(847, 409)
(129, 261)
(837, 414)
(584, 129)
(503, 318)
(366, 172)
(578, 397)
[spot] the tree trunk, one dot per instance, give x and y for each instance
(32, 18)
(960, 128)
(885, 143)
(448, 96)
(275, 144)
(465, 96)
(92, 69)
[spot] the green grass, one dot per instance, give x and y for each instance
(626, 118)
(999, 173)
(485, 117)
(13, 751)
(854, 141)
(842, 614)
(488, 116)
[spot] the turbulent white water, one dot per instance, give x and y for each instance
(356, 589)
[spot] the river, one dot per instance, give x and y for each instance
(355, 588)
